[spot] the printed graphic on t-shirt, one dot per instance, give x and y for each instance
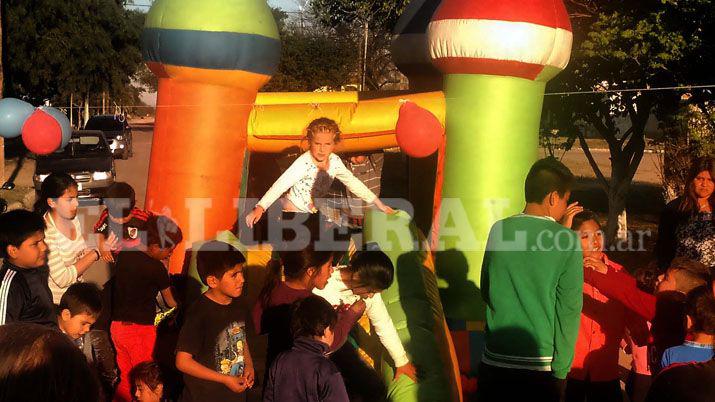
(229, 349)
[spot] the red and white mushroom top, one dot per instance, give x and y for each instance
(528, 39)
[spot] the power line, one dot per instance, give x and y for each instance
(626, 90)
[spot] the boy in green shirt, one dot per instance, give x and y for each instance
(532, 283)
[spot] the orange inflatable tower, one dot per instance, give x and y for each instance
(211, 59)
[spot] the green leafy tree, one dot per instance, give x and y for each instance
(368, 25)
(312, 58)
(617, 46)
(79, 47)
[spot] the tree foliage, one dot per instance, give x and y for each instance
(358, 20)
(311, 58)
(617, 46)
(55, 48)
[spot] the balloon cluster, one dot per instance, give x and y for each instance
(44, 129)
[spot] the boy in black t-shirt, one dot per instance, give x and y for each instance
(212, 351)
(139, 276)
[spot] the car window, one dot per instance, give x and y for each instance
(79, 145)
(104, 123)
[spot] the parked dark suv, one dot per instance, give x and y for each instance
(117, 132)
(87, 158)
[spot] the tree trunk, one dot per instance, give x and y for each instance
(86, 110)
(2, 78)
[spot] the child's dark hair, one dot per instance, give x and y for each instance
(311, 316)
(647, 277)
(120, 199)
(690, 274)
(214, 258)
(54, 186)
(700, 307)
(82, 298)
(16, 227)
(40, 364)
(295, 264)
(147, 372)
(162, 231)
(583, 217)
(320, 125)
(374, 269)
(545, 176)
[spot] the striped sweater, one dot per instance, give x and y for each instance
(63, 254)
(532, 284)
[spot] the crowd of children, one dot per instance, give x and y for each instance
(558, 308)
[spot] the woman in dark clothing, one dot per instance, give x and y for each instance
(687, 227)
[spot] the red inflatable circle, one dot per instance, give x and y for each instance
(41, 133)
(418, 131)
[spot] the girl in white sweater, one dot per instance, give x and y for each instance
(369, 273)
(69, 257)
(311, 175)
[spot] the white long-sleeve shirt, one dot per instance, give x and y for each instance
(63, 254)
(303, 182)
(336, 293)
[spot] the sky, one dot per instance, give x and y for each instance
(287, 5)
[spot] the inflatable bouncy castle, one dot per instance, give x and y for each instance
(469, 125)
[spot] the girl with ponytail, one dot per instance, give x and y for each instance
(68, 256)
(303, 271)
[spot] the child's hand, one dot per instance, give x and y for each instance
(571, 211)
(106, 246)
(384, 208)
(358, 307)
(595, 264)
(249, 376)
(254, 216)
(235, 384)
(111, 242)
(408, 369)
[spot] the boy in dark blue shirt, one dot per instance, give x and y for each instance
(700, 310)
(24, 293)
(304, 373)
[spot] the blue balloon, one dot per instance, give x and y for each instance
(64, 123)
(13, 113)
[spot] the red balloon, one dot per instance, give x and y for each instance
(418, 131)
(41, 133)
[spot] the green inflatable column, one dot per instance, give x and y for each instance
(497, 58)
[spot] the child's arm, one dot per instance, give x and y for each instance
(346, 320)
(105, 357)
(168, 295)
(569, 300)
(248, 371)
(186, 364)
(386, 331)
(62, 274)
(15, 300)
(287, 180)
(622, 287)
